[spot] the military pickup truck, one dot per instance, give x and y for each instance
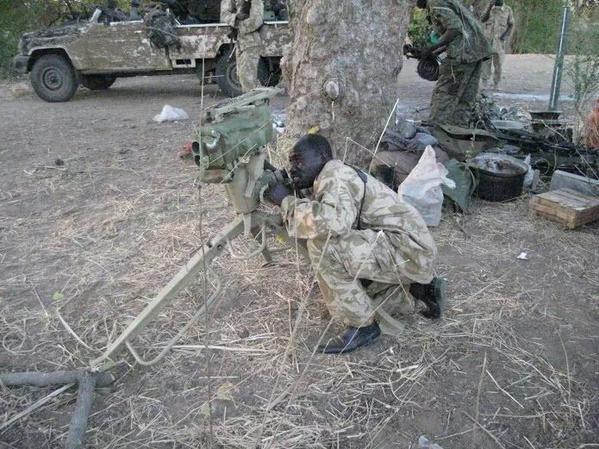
(96, 52)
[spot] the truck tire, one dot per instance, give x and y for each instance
(97, 82)
(53, 78)
(274, 73)
(226, 74)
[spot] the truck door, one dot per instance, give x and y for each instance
(122, 47)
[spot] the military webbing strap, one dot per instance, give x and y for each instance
(364, 179)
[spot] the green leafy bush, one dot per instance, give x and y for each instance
(538, 25)
(13, 21)
(419, 29)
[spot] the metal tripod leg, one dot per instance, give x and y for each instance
(265, 252)
(188, 273)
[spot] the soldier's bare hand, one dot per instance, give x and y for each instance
(426, 52)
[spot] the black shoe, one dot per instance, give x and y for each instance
(432, 295)
(351, 339)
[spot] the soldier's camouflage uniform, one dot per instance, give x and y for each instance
(459, 74)
(387, 242)
(249, 43)
(500, 19)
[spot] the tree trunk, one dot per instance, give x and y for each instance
(342, 71)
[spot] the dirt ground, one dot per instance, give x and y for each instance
(97, 212)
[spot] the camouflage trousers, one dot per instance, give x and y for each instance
(455, 93)
(342, 264)
(495, 65)
(248, 57)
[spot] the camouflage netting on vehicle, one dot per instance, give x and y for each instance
(161, 29)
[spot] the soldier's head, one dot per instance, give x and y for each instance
(422, 3)
(111, 4)
(499, 2)
(307, 158)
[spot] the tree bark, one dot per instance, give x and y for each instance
(342, 71)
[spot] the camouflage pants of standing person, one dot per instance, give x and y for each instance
(342, 263)
(455, 93)
(248, 57)
(495, 65)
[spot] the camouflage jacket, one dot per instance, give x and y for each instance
(471, 45)
(334, 209)
(252, 24)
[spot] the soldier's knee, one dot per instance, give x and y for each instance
(323, 251)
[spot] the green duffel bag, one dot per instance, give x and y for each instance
(466, 184)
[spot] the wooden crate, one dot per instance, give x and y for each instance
(566, 206)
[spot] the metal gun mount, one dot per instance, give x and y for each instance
(229, 150)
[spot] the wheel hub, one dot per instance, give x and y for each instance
(52, 78)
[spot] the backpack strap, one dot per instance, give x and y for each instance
(364, 179)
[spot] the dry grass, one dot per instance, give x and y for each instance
(513, 364)
(256, 400)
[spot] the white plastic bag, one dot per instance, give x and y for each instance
(171, 114)
(424, 443)
(422, 187)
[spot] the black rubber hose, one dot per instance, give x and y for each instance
(85, 399)
(56, 378)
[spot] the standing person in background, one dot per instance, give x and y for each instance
(499, 23)
(463, 40)
(111, 13)
(246, 16)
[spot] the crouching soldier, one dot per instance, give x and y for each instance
(366, 246)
